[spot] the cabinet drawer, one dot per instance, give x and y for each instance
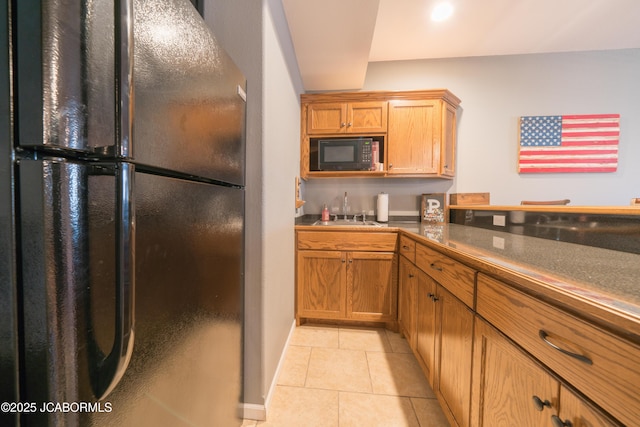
(347, 241)
(408, 248)
(456, 277)
(602, 366)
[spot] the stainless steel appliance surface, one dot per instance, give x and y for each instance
(122, 142)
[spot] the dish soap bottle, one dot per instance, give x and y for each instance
(325, 213)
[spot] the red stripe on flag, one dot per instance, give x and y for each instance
(590, 125)
(591, 116)
(568, 161)
(525, 152)
(554, 170)
(611, 142)
(588, 134)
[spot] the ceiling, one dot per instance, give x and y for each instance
(334, 40)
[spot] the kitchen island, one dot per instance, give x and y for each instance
(526, 294)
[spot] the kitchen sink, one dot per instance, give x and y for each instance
(349, 222)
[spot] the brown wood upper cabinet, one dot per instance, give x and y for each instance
(421, 138)
(342, 117)
(418, 129)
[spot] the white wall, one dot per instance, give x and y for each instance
(281, 159)
(495, 91)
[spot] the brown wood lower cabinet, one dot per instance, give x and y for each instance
(576, 412)
(347, 285)
(426, 325)
(322, 284)
(512, 389)
(407, 309)
(602, 366)
(506, 382)
(455, 349)
(372, 286)
(443, 345)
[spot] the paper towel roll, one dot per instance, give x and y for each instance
(383, 207)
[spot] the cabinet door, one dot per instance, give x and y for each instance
(321, 284)
(506, 382)
(455, 355)
(326, 118)
(579, 413)
(407, 304)
(367, 117)
(448, 157)
(426, 324)
(414, 137)
(372, 286)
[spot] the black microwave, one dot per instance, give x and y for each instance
(345, 154)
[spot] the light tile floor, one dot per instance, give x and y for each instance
(345, 376)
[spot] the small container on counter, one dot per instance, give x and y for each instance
(325, 213)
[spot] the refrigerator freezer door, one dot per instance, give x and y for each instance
(185, 95)
(66, 75)
(189, 110)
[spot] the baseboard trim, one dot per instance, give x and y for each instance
(252, 411)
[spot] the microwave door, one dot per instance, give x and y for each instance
(354, 154)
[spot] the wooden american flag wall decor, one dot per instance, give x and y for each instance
(576, 143)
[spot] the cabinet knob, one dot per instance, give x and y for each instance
(343, 124)
(557, 422)
(435, 267)
(350, 261)
(349, 124)
(390, 165)
(540, 404)
(344, 260)
(411, 276)
(433, 297)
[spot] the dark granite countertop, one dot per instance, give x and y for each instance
(598, 284)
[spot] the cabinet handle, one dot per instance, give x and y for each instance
(411, 276)
(557, 422)
(405, 247)
(543, 335)
(435, 267)
(540, 404)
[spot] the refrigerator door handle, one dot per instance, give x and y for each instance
(124, 78)
(112, 368)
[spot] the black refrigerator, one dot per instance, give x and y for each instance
(122, 146)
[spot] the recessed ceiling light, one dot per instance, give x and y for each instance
(442, 11)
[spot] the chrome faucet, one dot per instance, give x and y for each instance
(344, 205)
